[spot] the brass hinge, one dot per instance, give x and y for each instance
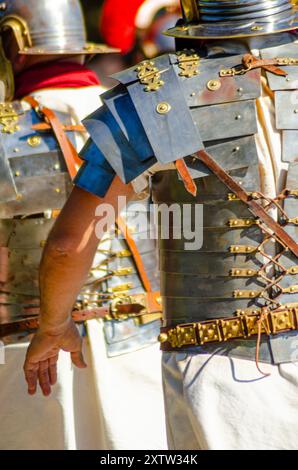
(188, 62)
(241, 223)
(234, 197)
(123, 271)
(293, 270)
(242, 249)
(123, 254)
(121, 287)
(286, 61)
(9, 118)
(236, 272)
(246, 294)
(293, 221)
(290, 290)
(149, 75)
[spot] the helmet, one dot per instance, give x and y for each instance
(47, 27)
(217, 19)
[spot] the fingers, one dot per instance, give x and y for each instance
(53, 370)
(44, 378)
(78, 359)
(31, 372)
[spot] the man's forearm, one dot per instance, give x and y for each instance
(69, 254)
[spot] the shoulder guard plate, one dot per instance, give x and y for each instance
(33, 174)
(170, 108)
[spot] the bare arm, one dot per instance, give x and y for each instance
(66, 261)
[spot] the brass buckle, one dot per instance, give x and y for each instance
(238, 70)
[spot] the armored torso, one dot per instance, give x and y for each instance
(182, 104)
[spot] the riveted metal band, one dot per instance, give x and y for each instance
(221, 330)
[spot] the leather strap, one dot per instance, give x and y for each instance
(32, 323)
(251, 62)
(135, 253)
(186, 177)
(256, 209)
(72, 159)
(44, 126)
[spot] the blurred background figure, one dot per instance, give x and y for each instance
(136, 30)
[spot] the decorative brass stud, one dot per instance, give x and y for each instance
(163, 107)
(34, 141)
(163, 338)
(214, 85)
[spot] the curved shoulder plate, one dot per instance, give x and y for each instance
(33, 174)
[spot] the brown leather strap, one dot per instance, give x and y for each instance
(135, 253)
(32, 323)
(186, 177)
(253, 206)
(44, 126)
(251, 62)
(70, 154)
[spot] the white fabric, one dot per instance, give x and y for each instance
(217, 403)
(113, 404)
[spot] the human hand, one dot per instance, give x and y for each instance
(42, 355)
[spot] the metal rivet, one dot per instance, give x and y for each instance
(57, 166)
(193, 94)
(17, 173)
(58, 190)
(296, 111)
(240, 90)
(163, 107)
(34, 140)
(238, 117)
(288, 79)
(236, 149)
(16, 150)
(213, 85)
(19, 197)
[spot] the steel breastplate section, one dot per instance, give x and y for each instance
(116, 268)
(24, 239)
(34, 176)
(227, 275)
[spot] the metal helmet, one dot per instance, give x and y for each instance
(217, 19)
(48, 27)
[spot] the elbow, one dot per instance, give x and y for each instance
(59, 249)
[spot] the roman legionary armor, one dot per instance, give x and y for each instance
(239, 293)
(31, 197)
(38, 160)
